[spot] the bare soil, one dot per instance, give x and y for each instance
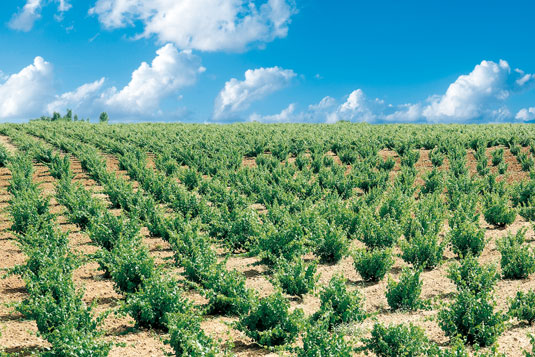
(18, 335)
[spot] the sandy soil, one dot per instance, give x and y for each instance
(17, 334)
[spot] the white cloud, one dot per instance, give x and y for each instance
(237, 95)
(170, 70)
(476, 94)
(26, 17)
(206, 25)
(81, 99)
(526, 114)
(286, 116)
(24, 94)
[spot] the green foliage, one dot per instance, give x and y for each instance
(467, 237)
(423, 251)
(470, 275)
(128, 264)
(338, 305)
(410, 158)
(523, 306)
(397, 340)
(4, 156)
(104, 118)
(319, 341)
(373, 264)
(227, 294)
(436, 157)
(186, 337)
(286, 240)
(497, 212)
(433, 182)
(270, 323)
(405, 294)
(471, 315)
(157, 297)
(497, 156)
(296, 277)
(377, 232)
(330, 242)
(518, 259)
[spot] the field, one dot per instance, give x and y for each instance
(251, 240)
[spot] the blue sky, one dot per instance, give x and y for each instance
(269, 60)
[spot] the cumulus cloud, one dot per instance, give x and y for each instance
(238, 95)
(478, 96)
(474, 95)
(526, 114)
(206, 25)
(25, 93)
(170, 70)
(286, 116)
(81, 99)
(26, 17)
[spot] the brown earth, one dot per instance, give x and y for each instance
(436, 286)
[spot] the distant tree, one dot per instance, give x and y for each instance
(56, 116)
(104, 117)
(75, 117)
(68, 116)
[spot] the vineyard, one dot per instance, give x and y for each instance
(251, 239)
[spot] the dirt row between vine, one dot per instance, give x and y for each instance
(147, 343)
(19, 335)
(436, 286)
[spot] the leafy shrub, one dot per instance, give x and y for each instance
(270, 323)
(467, 238)
(372, 265)
(28, 209)
(518, 260)
(497, 211)
(497, 156)
(107, 230)
(425, 251)
(340, 305)
(472, 316)
(377, 232)
(331, 243)
(128, 264)
(296, 277)
(4, 156)
(410, 158)
(397, 206)
(436, 157)
(187, 338)
(386, 164)
(433, 182)
(190, 178)
(523, 193)
(226, 292)
(526, 161)
(523, 306)
(515, 149)
(428, 218)
(470, 275)
(286, 240)
(502, 168)
(318, 341)
(405, 294)
(156, 298)
(397, 340)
